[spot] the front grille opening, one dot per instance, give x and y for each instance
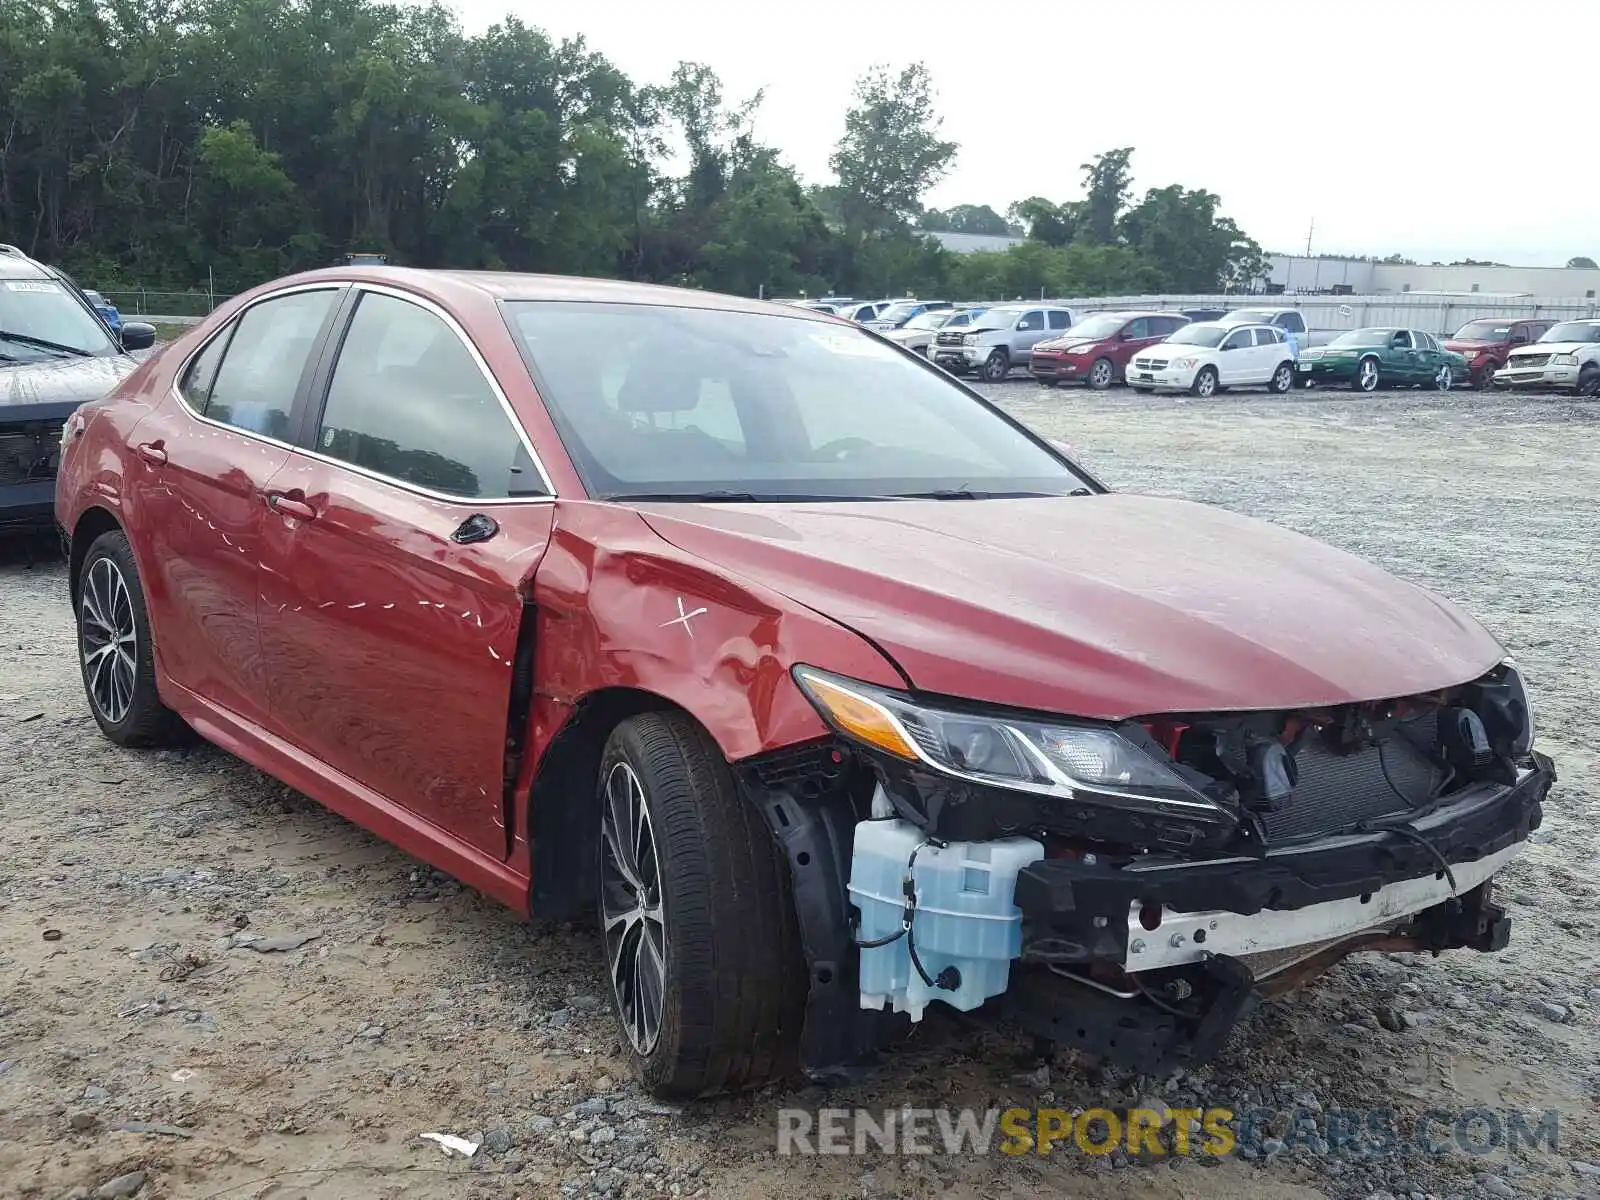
(30, 452)
(1324, 772)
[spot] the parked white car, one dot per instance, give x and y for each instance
(1208, 355)
(1567, 356)
(918, 333)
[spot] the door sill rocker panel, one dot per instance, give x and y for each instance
(354, 801)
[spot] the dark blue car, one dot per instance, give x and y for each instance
(105, 308)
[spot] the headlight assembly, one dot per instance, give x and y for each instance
(1070, 759)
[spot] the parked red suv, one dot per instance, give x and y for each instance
(1098, 348)
(1486, 343)
(612, 599)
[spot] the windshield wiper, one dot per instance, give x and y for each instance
(967, 494)
(689, 497)
(25, 340)
(726, 497)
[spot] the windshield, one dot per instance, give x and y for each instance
(928, 320)
(678, 402)
(1199, 335)
(996, 318)
(1573, 331)
(1482, 331)
(1095, 328)
(43, 310)
(1363, 337)
(899, 312)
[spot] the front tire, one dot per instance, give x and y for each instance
(702, 950)
(116, 651)
(1282, 379)
(1367, 376)
(1205, 383)
(1102, 374)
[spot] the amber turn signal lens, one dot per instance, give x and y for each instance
(859, 717)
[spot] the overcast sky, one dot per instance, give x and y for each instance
(1435, 129)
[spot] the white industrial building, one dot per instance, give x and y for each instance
(1296, 273)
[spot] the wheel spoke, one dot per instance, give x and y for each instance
(633, 922)
(109, 640)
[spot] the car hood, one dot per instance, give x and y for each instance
(1459, 344)
(1069, 345)
(61, 381)
(1108, 606)
(1554, 348)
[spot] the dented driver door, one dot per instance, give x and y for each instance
(398, 543)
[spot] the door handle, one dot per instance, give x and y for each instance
(153, 452)
(479, 527)
(285, 506)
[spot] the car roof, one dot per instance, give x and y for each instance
(1230, 325)
(14, 264)
(511, 285)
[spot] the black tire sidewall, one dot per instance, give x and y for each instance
(718, 926)
(1215, 381)
(1289, 379)
(148, 721)
(996, 367)
(1111, 374)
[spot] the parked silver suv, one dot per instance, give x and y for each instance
(1001, 339)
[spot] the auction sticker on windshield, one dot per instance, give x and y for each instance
(851, 345)
(31, 285)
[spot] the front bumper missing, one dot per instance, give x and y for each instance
(1181, 938)
(1270, 922)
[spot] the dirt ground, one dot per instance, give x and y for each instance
(210, 987)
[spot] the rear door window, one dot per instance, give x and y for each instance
(1060, 320)
(1291, 321)
(1268, 337)
(408, 401)
(254, 386)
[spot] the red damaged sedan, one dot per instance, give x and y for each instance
(828, 688)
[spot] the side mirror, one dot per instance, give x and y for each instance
(137, 335)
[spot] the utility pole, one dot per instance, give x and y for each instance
(1309, 232)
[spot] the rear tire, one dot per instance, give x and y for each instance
(1282, 379)
(116, 651)
(1589, 380)
(733, 982)
(1443, 379)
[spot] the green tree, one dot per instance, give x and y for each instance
(891, 152)
(1108, 182)
(966, 218)
(1583, 262)
(1044, 220)
(1178, 232)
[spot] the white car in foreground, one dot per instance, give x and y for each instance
(1567, 356)
(1207, 355)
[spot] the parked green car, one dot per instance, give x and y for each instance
(1368, 359)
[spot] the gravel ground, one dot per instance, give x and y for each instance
(210, 987)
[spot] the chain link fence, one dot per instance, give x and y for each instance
(142, 302)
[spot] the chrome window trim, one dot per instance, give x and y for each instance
(188, 362)
(426, 305)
